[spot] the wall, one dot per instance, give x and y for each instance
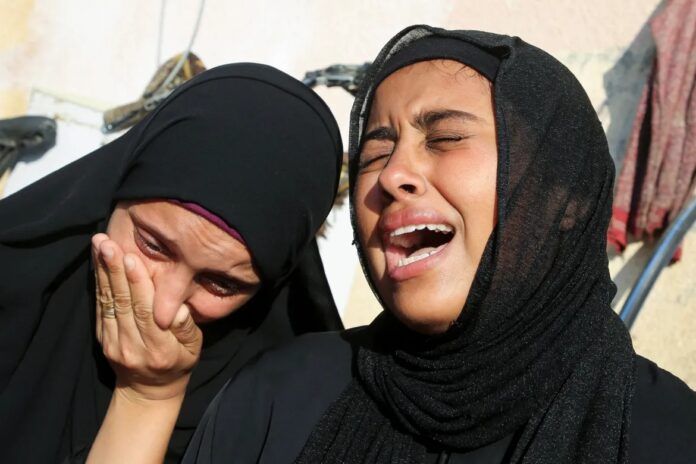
(103, 53)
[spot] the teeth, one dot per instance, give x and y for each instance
(413, 259)
(444, 228)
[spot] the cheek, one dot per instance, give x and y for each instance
(210, 308)
(367, 207)
(125, 239)
(470, 186)
(483, 205)
(121, 232)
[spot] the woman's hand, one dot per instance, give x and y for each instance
(150, 363)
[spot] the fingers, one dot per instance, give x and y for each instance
(141, 353)
(113, 258)
(118, 326)
(104, 297)
(94, 248)
(186, 331)
(142, 291)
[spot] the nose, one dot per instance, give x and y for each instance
(173, 287)
(403, 176)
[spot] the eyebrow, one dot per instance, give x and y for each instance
(429, 118)
(381, 133)
(422, 121)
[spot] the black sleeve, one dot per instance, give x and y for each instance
(663, 418)
(268, 410)
(240, 414)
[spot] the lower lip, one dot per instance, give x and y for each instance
(415, 269)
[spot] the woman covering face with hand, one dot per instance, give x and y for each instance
(206, 212)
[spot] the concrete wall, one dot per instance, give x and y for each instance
(103, 53)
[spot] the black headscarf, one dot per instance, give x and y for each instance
(247, 142)
(537, 352)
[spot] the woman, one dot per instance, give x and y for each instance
(481, 193)
(216, 196)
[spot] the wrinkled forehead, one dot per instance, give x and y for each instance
(430, 48)
(431, 91)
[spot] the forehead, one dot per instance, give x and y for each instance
(437, 83)
(191, 232)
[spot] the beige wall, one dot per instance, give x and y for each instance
(104, 52)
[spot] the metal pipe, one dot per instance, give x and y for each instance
(664, 251)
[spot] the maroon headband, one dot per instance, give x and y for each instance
(215, 219)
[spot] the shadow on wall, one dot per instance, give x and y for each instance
(628, 275)
(623, 85)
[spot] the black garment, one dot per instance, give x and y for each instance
(267, 412)
(537, 349)
(247, 142)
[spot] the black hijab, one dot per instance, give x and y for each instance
(247, 142)
(537, 352)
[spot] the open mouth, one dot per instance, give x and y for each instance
(416, 242)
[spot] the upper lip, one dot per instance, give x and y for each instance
(390, 222)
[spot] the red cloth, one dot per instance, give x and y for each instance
(657, 177)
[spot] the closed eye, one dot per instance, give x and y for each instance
(444, 141)
(219, 286)
(149, 245)
(374, 150)
(366, 163)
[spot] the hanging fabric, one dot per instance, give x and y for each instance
(657, 177)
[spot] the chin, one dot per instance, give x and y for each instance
(424, 323)
(419, 312)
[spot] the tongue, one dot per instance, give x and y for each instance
(394, 254)
(416, 243)
(421, 239)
